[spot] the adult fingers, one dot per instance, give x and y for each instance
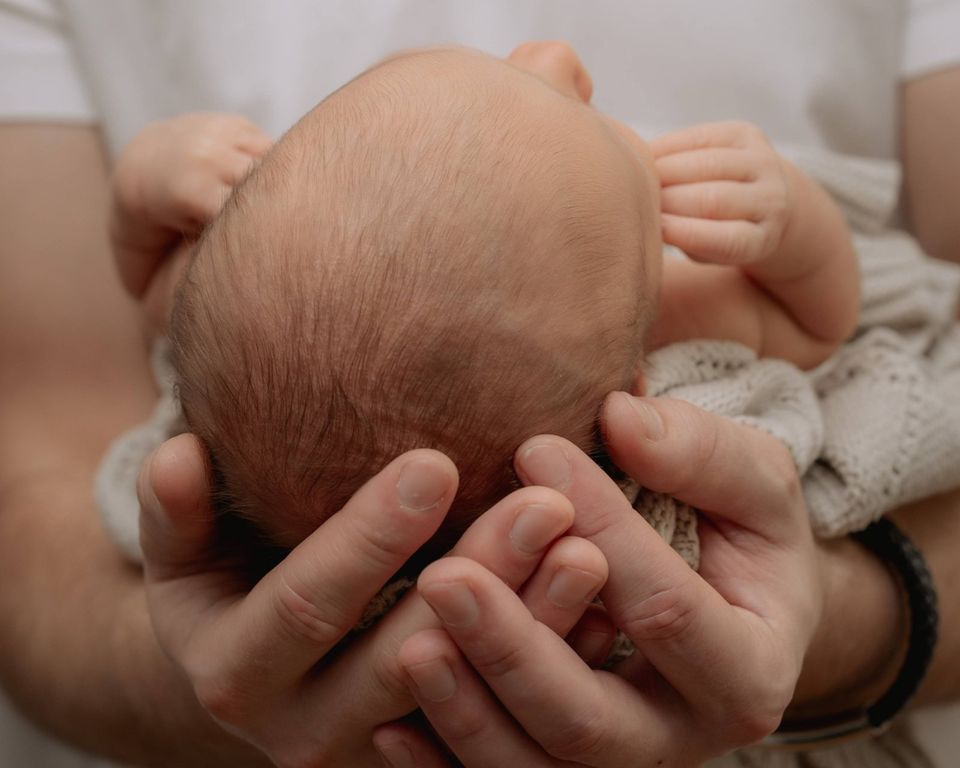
(176, 521)
(568, 578)
(509, 540)
(593, 636)
(460, 708)
(696, 639)
(730, 470)
(402, 746)
(573, 712)
(298, 611)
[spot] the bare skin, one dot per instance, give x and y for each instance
(930, 122)
(123, 698)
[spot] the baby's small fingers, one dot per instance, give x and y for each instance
(706, 135)
(716, 242)
(234, 166)
(705, 165)
(718, 200)
(254, 142)
(197, 203)
(568, 578)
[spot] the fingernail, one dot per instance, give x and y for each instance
(546, 464)
(534, 528)
(396, 755)
(421, 485)
(572, 587)
(434, 679)
(454, 603)
(653, 428)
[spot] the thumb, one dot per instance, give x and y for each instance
(176, 520)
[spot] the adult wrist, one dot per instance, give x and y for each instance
(862, 638)
(890, 545)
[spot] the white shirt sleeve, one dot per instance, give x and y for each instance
(932, 36)
(39, 77)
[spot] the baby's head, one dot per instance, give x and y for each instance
(448, 252)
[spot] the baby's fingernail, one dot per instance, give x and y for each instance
(434, 679)
(421, 485)
(534, 528)
(653, 428)
(396, 755)
(572, 587)
(454, 602)
(545, 464)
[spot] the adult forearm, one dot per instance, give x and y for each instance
(90, 670)
(76, 649)
(934, 526)
(931, 159)
(861, 640)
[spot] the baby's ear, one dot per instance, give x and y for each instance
(557, 64)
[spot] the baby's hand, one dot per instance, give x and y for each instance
(725, 196)
(169, 182)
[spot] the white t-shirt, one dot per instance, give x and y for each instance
(822, 73)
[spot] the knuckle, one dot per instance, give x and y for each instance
(223, 698)
(710, 166)
(784, 478)
(466, 724)
(500, 659)
(581, 739)
(384, 547)
(303, 618)
(752, 721)
(736, 247)
(387, 675)
(756, 708)
(665, 614)
(712, 202)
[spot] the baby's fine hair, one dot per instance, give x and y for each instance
(422, 261)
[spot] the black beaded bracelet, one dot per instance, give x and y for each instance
(891, 545)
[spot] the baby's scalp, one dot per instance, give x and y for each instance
(445, 253)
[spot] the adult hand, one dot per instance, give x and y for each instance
(719, 652)
(252, 653)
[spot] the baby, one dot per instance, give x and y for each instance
(457, 252)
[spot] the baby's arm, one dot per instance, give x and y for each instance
(729, 199)
(168, 183)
